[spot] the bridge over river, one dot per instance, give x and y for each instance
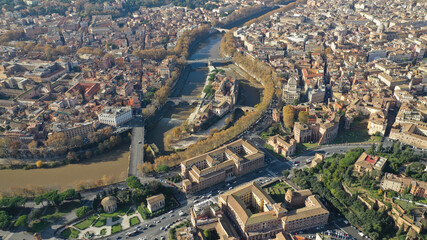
(210, 60)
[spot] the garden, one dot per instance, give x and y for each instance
(277, 190)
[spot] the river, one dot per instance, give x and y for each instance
(115, 163)
(193, 87)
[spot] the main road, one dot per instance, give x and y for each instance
(273, 169)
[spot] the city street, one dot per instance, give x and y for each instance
(273, 169)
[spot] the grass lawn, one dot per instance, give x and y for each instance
(86, 223)
(116, 228)
(407, 206)
(55, 213)
(357, 133)
(38, 226)
(133, 221)
(131, 211)
(277, 191)
(103, 231)
(70, 233)
(100, 222)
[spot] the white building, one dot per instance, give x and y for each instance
(115, 116)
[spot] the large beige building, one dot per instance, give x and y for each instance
(411, 134)
(258, 216)
(398, 184)
(235, 159)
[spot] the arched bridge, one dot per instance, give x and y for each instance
(213, 60)
(189, 100)
(245, 108)
(222, 30)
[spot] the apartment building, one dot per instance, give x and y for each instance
(411, 134)
(398, 184)
(79, 130)
(115, 116)
(258, 216)
(232, 160)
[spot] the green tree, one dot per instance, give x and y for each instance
(21, 221)
(81, 211)
(69, 194)
(162, 168)
(207, 233)
(286, 173)
(133, 182)
(4, 219)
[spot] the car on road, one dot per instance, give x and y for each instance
(296, 162)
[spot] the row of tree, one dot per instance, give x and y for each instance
(264, 74)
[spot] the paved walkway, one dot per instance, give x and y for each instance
(123, 220)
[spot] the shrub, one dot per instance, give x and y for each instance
(80, 212)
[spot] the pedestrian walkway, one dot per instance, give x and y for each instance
(124, 221)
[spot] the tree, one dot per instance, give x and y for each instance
(207, 233)
(76, 141)
(286, 173)
(81, 211)
(288, 116)
(12, 202)
(133, 182)
(303, 117)
(4, 219)
(69, 194)
(32, 146)
(21, 221)
(39, 164)
(35, 214)
(58, 142)
(71, 156)
(162, 168)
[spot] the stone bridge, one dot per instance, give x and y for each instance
(210, 60)
(222, 30)
(189, 100)
(245, 108)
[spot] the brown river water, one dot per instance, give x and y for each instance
(110, 165)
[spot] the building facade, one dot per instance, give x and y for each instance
(115, 116)
(156, 202)
(258, 216)
(232, 160)
(285, 146)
